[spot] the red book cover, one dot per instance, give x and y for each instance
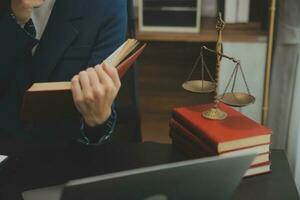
(126, 64)
(191, 150)
(236, 131)
(188, 135)
(184, 133)
(261, 164)
(187, 148)
(259, 169)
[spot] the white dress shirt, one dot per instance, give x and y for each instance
(40, 17)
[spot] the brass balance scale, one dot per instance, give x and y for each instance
(232, 98)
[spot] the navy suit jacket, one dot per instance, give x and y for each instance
(79, 34)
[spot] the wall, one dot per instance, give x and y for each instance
(254, 68)
(297, 166)
(135, 2)
(293, 149)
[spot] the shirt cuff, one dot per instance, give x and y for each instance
(98, 135)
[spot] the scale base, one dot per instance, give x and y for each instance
(214, 114)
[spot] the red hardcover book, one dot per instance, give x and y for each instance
(193, 150)
(178, 131)
(188, 148)
(235, 132)
(263, 168)
(188, 135)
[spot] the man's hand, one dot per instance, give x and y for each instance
(94, 91)
(22, 9)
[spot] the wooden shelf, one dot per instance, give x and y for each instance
(250, 32)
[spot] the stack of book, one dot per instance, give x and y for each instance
(200, 137)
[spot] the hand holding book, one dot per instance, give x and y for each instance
(94, 91)
(36, 99)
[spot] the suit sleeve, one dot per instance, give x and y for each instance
(112, 34)
(13, 41)
(109, 39)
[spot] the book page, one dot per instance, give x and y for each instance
(50, 86)
(114, 59)
(111, 59)
(2, 158)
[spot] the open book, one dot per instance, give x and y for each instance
(53, 100)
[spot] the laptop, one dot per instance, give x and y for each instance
(210, 178)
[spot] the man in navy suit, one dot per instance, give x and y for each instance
(61, 40)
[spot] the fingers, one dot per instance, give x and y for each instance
(94, 91)
(93, 77)
(106, 80)
(86, 86)
(113, 73)
(77, 94)
(96, 86)
(93, 85)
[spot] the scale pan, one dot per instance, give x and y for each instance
(199, 86)
(237, 99)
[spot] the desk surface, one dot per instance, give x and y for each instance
(43, 164)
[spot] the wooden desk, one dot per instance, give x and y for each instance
(277, 185)
(37, 164)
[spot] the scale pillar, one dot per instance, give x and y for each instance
(216, 113)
